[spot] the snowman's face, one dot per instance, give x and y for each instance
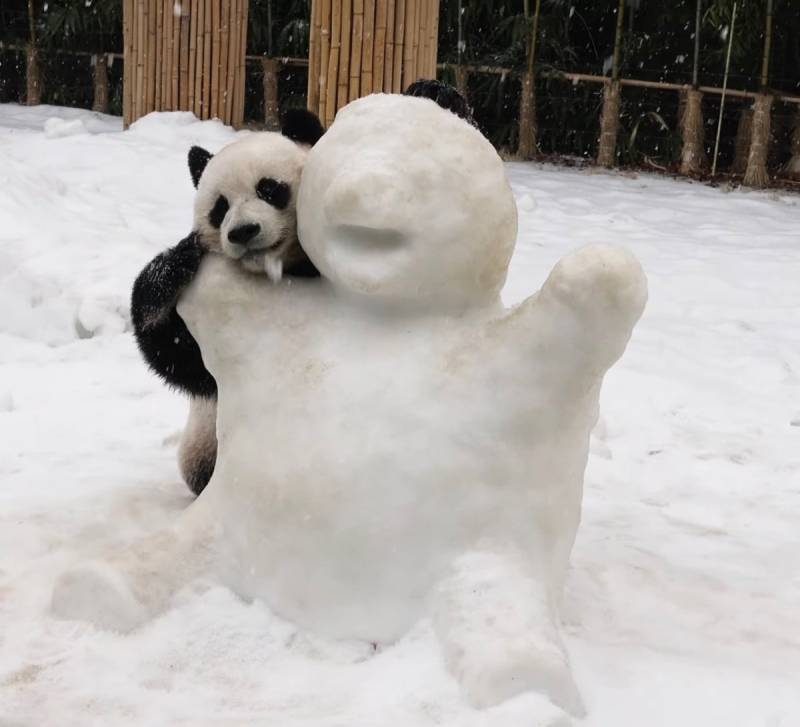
(402, 199)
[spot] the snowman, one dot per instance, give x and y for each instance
(394, 444)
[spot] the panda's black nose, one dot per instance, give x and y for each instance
(242, 234)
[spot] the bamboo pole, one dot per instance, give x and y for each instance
(230, 82)
(724, 87)
(767, 47)
(324, 58)
(421, 34)
(166, 61)
(152, 57)
(175, 63)
(344, 56)
(241, 26)
(216, 43)
(127, 60)
(409, 57)
(356, 43)
(140, 60)
(199, 30)
(100, 84)
(186, 56)
(333, 63)
(399, 41)
(208, 39)
(434, 39)
(159, 69)
(391, 34)
(192, 71)
(224, 91)
(312, 88)
(380, 47)
(367, 47)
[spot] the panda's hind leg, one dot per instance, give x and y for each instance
(197, 452)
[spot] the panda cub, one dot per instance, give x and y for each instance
(245, 209)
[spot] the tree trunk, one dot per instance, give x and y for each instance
(271, 110)
(100, 76)
(756, 174)
(33, 76)
(609, 125)
(743, 134)
(693, 154)
(528, 146)
(792, 168)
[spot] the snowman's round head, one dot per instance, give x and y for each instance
(404, 200)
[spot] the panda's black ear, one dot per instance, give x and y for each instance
(198, 158)
(301, 126)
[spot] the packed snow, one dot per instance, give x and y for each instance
(682, 604)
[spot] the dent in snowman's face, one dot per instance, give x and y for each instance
(246, 197)
(403, 200)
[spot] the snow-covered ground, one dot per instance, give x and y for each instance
(683, 602)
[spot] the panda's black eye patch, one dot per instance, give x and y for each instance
(273, 192)
(218, 212)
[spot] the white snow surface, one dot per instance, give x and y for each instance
(682, 604)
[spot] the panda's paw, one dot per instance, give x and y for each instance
(97, 593)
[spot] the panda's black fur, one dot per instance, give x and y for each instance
(161, 335)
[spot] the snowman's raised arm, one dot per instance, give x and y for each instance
(588, 306)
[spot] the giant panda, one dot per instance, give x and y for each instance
(245, 209)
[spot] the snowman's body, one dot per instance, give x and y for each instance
(392, 442)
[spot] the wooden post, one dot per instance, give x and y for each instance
(358, 47)
(609, 124)
(609, 119)
(33, 73)
(756, 174)
(528, 143)
(100, 83)
(189, 61)
(693, 154)
(271, 111)
(792, 168)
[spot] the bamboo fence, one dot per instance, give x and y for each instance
(184, 55)
(358, 47)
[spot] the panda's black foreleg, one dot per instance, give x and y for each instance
(163, 339)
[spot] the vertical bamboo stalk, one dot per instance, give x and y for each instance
(421, 29)
(356, 42)
(198, 63)
(192, 69)
(176, 59)
(127, 76)
(166, 60)
(381, 7)
(314, 51)
(159, 70)
(140, 60)
(388, 58)
(324, 57)
(344, 55)
(152, 57)
(215, 49)
(242, 67)
(230, 82)
(434, 39)
(367, 50)
(333, 63)
(224, 106)
(399, 40)
(186, 86)
(409, 50)
(208, 39)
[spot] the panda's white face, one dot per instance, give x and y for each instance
(245, 206)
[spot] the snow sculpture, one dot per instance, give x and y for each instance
(393, 444)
